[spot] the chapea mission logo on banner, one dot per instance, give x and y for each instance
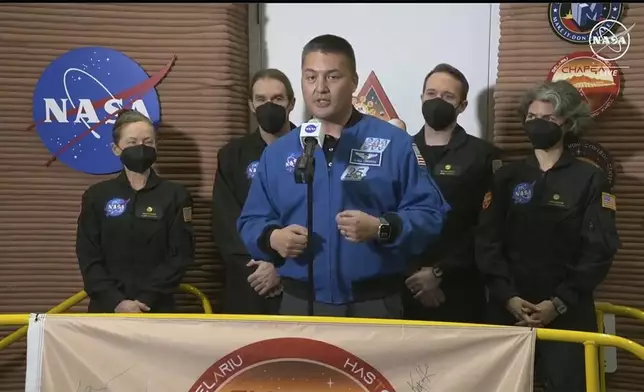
(291, 365)
(76, 101)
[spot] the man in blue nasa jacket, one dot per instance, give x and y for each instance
(375, 207)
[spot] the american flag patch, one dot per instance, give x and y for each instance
(608, 201)
(419, 156)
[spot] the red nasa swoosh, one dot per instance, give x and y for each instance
(132, 94)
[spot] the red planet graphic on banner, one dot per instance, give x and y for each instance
(598, 81)
(291, 365)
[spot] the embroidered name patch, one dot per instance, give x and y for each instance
(115, 207)
(375, 144)
(367, 158)
(354, 173)
(447, 170)
(148, 212)
(419, 156)
(609, 201)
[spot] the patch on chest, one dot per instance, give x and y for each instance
(366, 158)
(290, 162)
(447, 170)
(251, 170)
(354, 173)
(115, 207)
(522, 193)
(375, 144)
(146, 211)
(557, 201)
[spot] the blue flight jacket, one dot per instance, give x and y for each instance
(375, 169)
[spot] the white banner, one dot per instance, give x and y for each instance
(86, 354)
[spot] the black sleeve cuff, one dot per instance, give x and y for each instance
(396, 224)
(264, 243)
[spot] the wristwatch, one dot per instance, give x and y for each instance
(560, 306)
(437, 272)
(384, 230)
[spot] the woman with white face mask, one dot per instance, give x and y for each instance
(547, 234)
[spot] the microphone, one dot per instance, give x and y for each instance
(311, 136)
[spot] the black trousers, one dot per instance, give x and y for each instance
(240, 298)
(464, 302)
(559, 366)
(165, 304)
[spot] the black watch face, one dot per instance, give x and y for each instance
(384, 232)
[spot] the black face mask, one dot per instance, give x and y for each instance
(439, 114)
(139, 158)
(271, 117)
(543, 134)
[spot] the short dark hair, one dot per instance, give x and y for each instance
(455, 73)
(125, 117)
(272, 73)
(329, 43)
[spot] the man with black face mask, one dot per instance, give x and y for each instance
(547, 234)
(444, 284)
(135, 237)
(252, 286)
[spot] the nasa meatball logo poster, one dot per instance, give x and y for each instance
(76, 100)
(252, 354)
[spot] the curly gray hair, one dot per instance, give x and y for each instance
(566, 100)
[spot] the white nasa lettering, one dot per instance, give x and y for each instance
(614, 40)
(86, 111)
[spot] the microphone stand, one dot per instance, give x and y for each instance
(304, 173)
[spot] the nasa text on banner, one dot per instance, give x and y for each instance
(68, 353)
(77, 97)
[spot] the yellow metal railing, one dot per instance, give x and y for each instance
(81, 295)
(591, 341)
(602, 308)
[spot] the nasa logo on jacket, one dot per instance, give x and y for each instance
(75, 101)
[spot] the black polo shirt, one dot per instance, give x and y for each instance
(463, 170)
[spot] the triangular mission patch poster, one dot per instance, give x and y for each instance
(371, 99)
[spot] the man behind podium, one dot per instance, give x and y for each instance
(375, 206)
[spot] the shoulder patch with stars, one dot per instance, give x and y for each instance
(609, 201)
(187, 214)
(496, 165)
